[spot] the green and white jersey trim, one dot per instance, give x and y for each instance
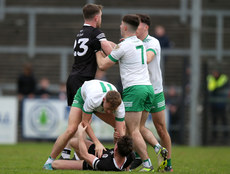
(93, 92)
(152, 44)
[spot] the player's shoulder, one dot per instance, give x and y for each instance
(93, 32)
(130, 41)
(98, 33)
(150, 40)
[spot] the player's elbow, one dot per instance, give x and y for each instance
(101, 67)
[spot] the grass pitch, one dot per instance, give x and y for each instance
(26, 158)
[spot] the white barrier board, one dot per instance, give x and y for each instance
(8, 120)
(44, 118)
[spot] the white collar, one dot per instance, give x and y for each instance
(114, 161)
(86, 24)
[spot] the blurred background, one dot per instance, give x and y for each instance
(36, 55)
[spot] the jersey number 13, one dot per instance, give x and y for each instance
(82, 44)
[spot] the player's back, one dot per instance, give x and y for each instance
(154, 68)
(86, 44)
(133, 64)
(96, 88)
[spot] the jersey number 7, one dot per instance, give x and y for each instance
(141, 47)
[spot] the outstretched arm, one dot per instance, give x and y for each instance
(106, 46)
(98, 146)
(89, 158)
(77, 165)
(103, 62)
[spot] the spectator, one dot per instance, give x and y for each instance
(26, 83)
(62, 91)
(26, 87)
(43, 90)
(217, 85)
(160, 34)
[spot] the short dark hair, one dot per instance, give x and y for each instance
(132, 20)
(144, 19)
(90, 10)
(125, 145)
(114, 98)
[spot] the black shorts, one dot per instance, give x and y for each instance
(74, 82)
(91, 150)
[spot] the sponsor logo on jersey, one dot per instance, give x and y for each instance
(161, 104)
(75, 101)
(128, 104)
(116, 47)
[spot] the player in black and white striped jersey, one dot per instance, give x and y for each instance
(117, 159)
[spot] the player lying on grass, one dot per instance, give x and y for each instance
(100, 98)
(117, 159)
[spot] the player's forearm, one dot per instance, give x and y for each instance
(106, 47)
(82, 146)
(100, 61)
(150, 56)
(91, 134)
(103, 62)
(120, 127)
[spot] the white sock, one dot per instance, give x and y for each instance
(49, 160)
(147, 163)
(157, 148)
(76, 157)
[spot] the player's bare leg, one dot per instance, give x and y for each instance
(68, 164)
(74, 143)
(132, 120)
(150, 138)
(69, 147)
(74, 120)
(146, 133)
(160, 124)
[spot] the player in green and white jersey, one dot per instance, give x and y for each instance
(138, 94)
(153, 49)
(102, 99)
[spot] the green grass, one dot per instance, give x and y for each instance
(25, 158)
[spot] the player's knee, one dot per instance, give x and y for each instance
(74, 143)
(135, 133)
(71, 131)
(162, 131)
(142, 129)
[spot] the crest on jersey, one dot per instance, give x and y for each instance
(116, 47)
(105, 155)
